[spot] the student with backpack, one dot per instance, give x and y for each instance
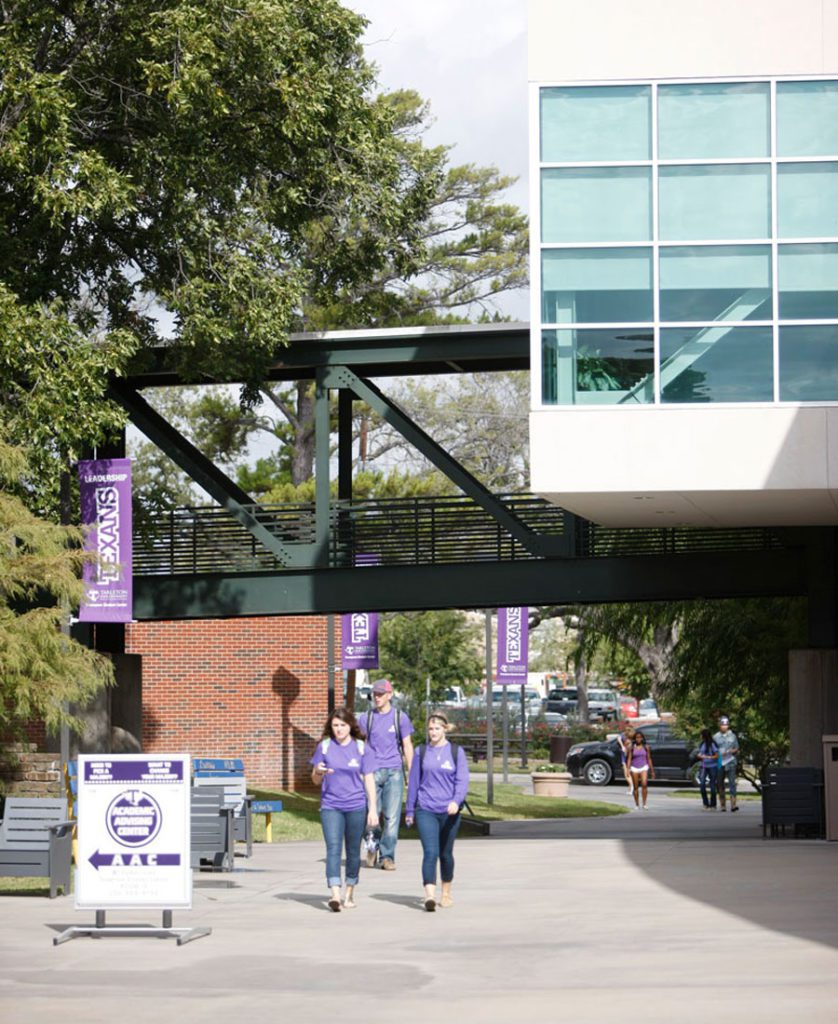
(436, 790)
(389, 733)
(343, 767)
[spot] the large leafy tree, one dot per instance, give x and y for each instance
(41, 668)
(164, 167)
(468, 247)
(440, 646)
(163, 164)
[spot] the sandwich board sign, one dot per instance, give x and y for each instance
(133, 832)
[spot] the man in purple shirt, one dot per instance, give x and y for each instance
(389, 733)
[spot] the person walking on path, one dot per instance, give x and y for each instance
(625, 747)
(436, 789)
(344, 769)
(708, 753)
(389, 732)
(728, 744)
(641, 767)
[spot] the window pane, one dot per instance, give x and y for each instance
(611, 204)
(601, 367)
(807, 200)
(717, 364)
(809, 364)
(598, 123)
(717, 120)
(715, 283)
(808, 281)
(596, 285)
(715, 202)
(807, 118)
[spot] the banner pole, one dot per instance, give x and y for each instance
(490, 721)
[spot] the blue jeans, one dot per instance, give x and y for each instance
(727, 773)
(437, 833)
(388, 796)
(342, 828)
(708, 775)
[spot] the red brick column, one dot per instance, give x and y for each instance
(254, 688)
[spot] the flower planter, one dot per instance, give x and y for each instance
(550, 783)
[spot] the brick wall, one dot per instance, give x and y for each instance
(255, 688)
(26, 772)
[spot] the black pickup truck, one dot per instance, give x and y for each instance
(562, 701)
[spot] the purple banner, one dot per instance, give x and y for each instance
(513, 635)
(359, 631)
(106, 508)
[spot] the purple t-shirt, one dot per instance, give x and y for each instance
(441, 780)
(343, 789)
(382, 736)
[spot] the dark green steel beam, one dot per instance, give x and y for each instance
(406, 588)
(455, 348)
(217, 484)
(536, 544)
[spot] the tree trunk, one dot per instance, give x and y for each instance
(303, 445)
(581, 680)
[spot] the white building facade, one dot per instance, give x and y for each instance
(684, 170)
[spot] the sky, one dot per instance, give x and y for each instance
(469, 60)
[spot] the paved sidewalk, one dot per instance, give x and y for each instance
(566, 924)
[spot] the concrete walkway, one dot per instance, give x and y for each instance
(674, 913)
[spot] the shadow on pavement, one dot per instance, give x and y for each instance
(314, 900)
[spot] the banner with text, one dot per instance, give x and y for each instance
(105, 486)
(513, 635)
(133, 828)
(359, 631)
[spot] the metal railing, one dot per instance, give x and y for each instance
(402, 531)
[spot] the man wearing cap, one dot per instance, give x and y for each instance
(725, 739)
(388, 734)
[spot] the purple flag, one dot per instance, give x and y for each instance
(105, 486)
(359, 631)
(513, 634)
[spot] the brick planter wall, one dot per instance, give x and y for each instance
(25, 772)
(255, 688)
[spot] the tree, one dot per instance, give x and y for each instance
(468, 247)
(439, 645)
(41, 668)
(162, 167)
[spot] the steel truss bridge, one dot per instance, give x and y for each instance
(473, 550)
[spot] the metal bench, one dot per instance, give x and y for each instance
(36, 841)
(792, 798)
(226, 775)
(211, 828)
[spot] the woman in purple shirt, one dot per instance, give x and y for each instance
(641, 767)
(344, 769)
(436, 789)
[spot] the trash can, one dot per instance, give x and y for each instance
(559, 746)
(830, 781)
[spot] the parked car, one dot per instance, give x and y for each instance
(532, 701)
(648, 709)
(629, 707)
(604, 704)
(599, 762)
(563, 701)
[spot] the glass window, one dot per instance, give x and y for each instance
(596, 285)
(807, 118)
(581, 125)
(717, 364)
(603, 367)
(715, 282)
(612, 204)
(807, 200)
(808, 277)
(809, 364)
(715, 201)
(713, 120)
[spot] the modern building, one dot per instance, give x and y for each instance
(685, 260)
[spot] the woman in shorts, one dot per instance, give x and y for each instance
(640, 767)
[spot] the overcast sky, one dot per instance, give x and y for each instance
(469, 60)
